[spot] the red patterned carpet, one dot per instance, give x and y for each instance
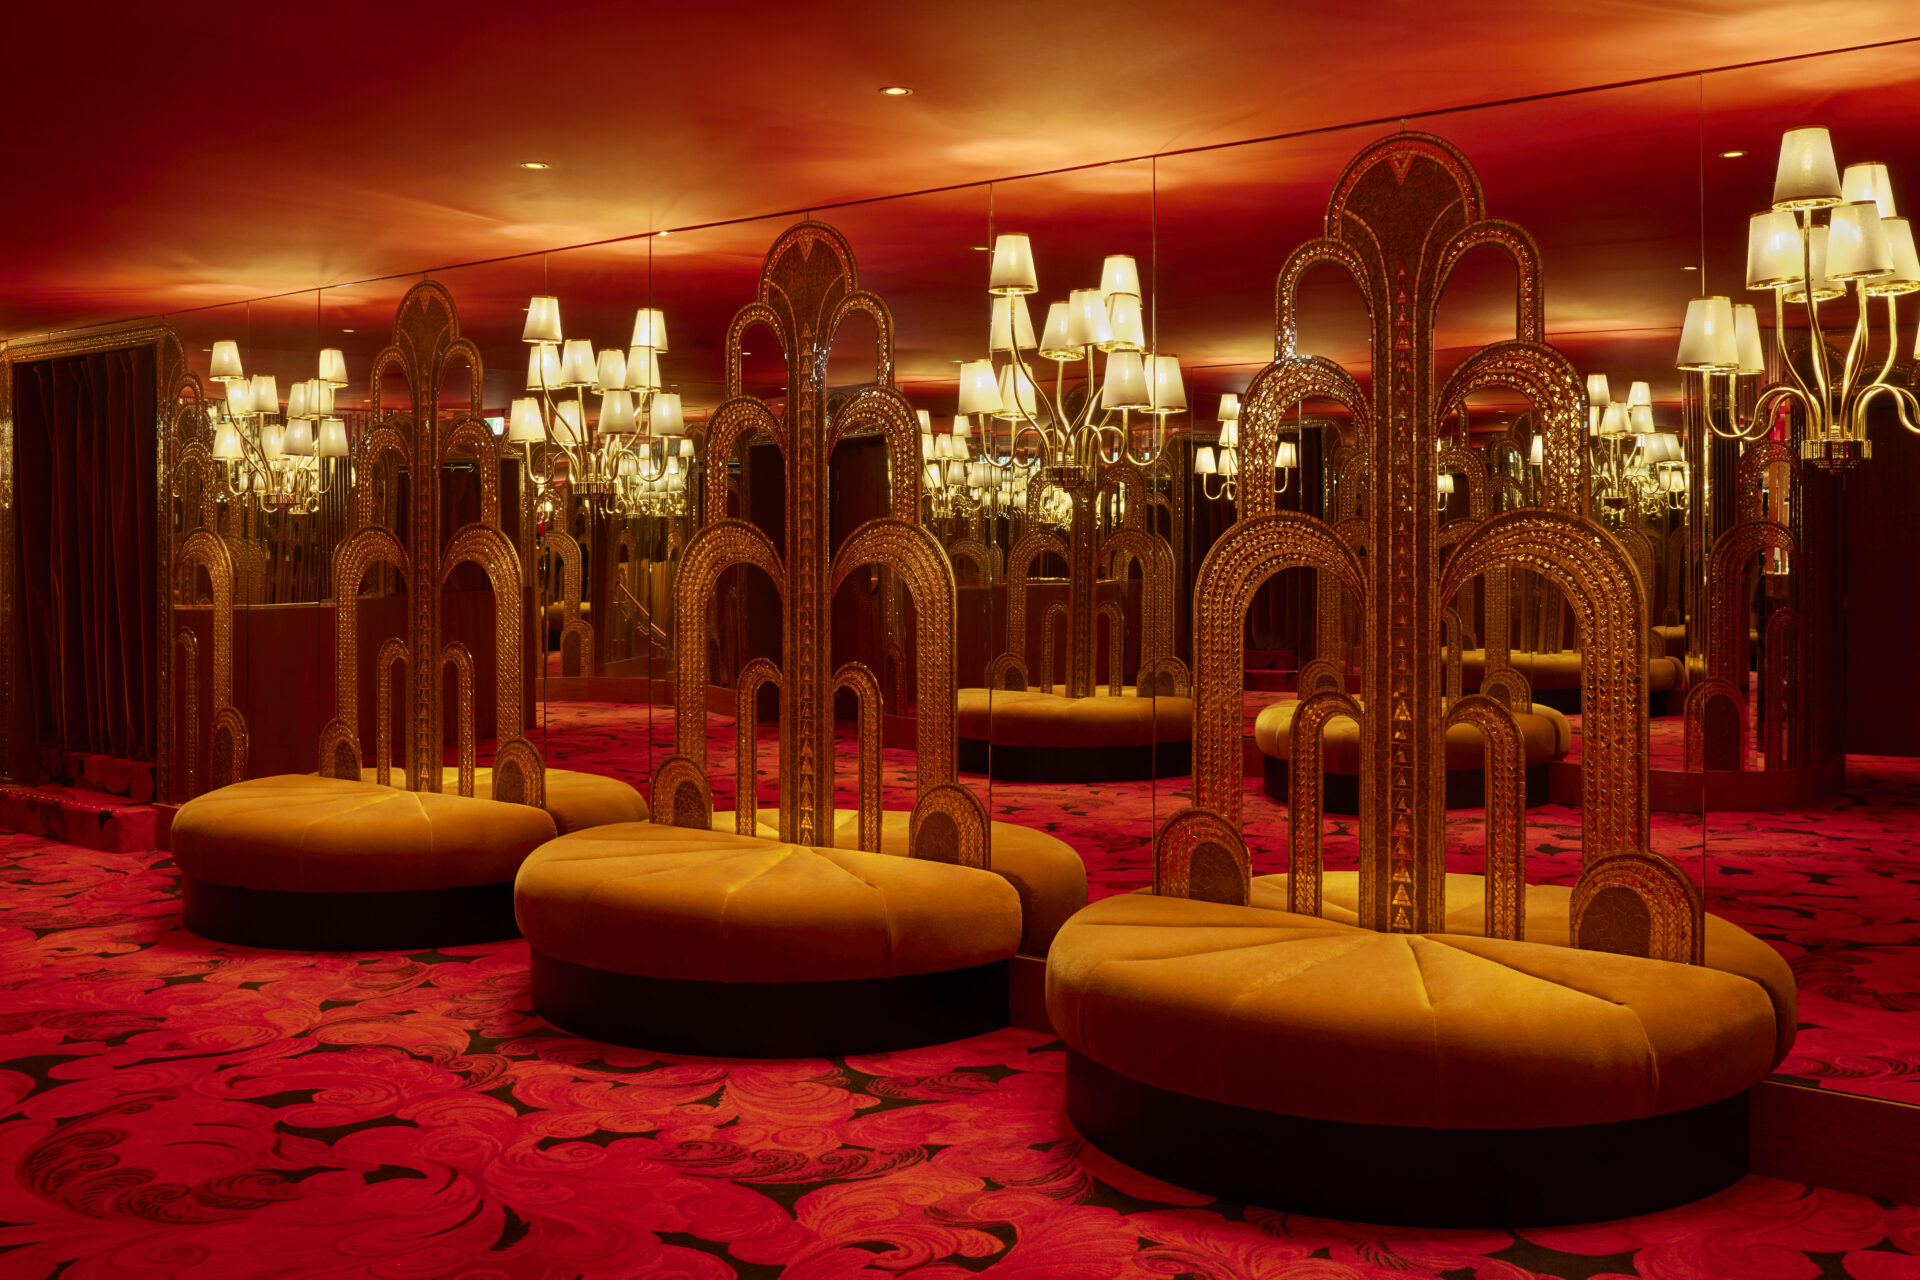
(176, 1108)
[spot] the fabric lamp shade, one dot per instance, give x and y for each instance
(610, 371)
(1229, 407)
(239, 399)
(273, 441)
(643, 369)
(1905, 276)
(523, 422)
(225, 366)
(1017, 394)
(1707, 340)
(1597, 392)
(333, 367)
(616, 412)
(665, 416)
(930, 476)
(1807, 177)
(1126, 323)
(543, 321)
(1012, 266)
(1823, 288)
(543, 367)
(962, 426)
(1125, 386)
(1166, 390)
(567, 427)
(1119, 274)
(1230, 434)
(1869, 182)
(297, 440)
(297, 401)
(1012, 325)
(650, 329)
(1053, 337)
(1746, 340)
(576, 363)
(1446, 482)
(924, 419)
(1640, 419)
(927, 445)
(226, 444)
(1613, 419)
(1537, 451)
(1087, 324)
(265, 394)
(1642, 392)
(1286, 456)
(1773, 250)
(979, 393)
(1856, 242)
(1229, 462)
(1203, 464)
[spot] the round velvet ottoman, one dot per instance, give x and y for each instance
(1555, 677)
(709, 942)
(305, 863)
(1031, 735)
(572, 799)
(1310, 1065)
(1544, 733)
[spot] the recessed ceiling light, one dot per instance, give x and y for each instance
(346, 331)
(895, 90)
(535, 164)
(663, 234)
(981, 248)
(1689, 268)
(1731, 155)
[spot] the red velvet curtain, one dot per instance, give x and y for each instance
(86, 451)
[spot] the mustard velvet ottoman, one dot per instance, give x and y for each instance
(1545, 736)
(305, 863)
(1555, 677)
(574, 800)
(1034, 735)
(1310, 1065)
(714, 943)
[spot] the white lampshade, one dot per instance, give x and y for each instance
(1537, 451)
(523, 422)
(1012, 266)
(1053, 338)
(1773, 249)
(1869, 182)
(1640, 419)
(1016, 393)
(320, 398)
(930, 476)
(924, 419)
(1707, 340)
(265, 394)
(1823, 288)
(1446, 482)
(956, 474)
(610, 371)
(665, 418)
(943, 448)
(576, 363)
(927, 445)
(1012, 324)
(1642, 392)
(979, 393)
(962, 426)
(1613, 419)
(1230, 434)
(1905, 276)
(616, 412)
(567, 426)
(1286, 456)
(1746, 339)
(543, 321)
(226, 362)
(272, 438)
(297, 401)
(1229, 462)
(226, 444)
(333, 367)
(1597, 393)
(543, 367)
(1126, 382)
(1230, 407)
(1127, 324)
(1856, 243)
(239, 399)
(643, 369)
(1166, 391)
(1203, 464)
(650, 329)
(1807, 177)
(1087, 324)
(298, 439)
(1119, 274)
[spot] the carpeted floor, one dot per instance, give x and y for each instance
(176, 1108)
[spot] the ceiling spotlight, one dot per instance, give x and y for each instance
(535, 164)
(346, 331)
(895, 90)
(1731, 155)
(1689, 268)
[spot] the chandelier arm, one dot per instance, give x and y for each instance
(1857, 345)
(1816, 343)
(1780, 348)
(1893, 334)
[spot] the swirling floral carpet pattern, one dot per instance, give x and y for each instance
(171, 1107)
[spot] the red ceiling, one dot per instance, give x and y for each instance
(268, 148)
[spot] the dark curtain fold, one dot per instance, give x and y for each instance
(86, 444)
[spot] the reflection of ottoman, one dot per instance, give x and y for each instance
(739, 946)
(1555, 677)
(573, 800)
(1030, 735)
(1544, 733)
(305, 863)
(1428, 1079)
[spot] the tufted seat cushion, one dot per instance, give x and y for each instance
(1034, 718)
(573, 800)
(668, 902)
(1048, 875)
(1545, 734)
(1562, 670)
(1257, 1007)
(306, 834)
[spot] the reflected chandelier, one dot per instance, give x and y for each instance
(279, 463)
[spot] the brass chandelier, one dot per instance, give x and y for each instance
(1636, 466)
(279, 459)
(1222, 463)
(1804, 261)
